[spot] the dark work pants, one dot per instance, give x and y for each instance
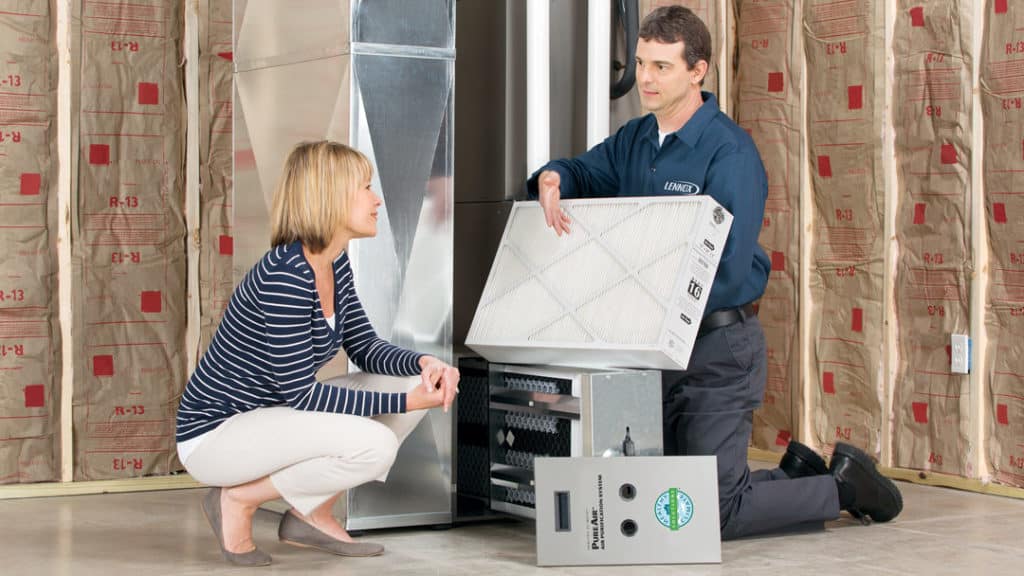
(708, 410)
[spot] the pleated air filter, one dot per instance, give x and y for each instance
(626, 288)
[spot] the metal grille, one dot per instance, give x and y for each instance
(506, 438)
(519, 496)
(530, 383)
(473, 477)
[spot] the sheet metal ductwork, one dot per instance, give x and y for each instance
(379, 76)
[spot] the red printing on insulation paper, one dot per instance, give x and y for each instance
(35, 396)
(857, 320)
(30, 184)
(782, 438)
(824, 166)
(778, 261)
(917, 16)
(99, 154)
(151, 301)
(948, 154)
(149, 93)
(855, 97)
(1000, 6)
(920, 412)
(828, 383)
(776, 81)
(919, 213)
(226, 245)
(103, 365)
(999, 212)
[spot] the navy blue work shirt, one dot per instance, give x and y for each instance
(710, 155)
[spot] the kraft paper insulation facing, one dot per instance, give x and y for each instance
(30, 343)
(216, 280)
(845, 101)
(767, 103)
(129, 233)
(931, 116)
(128, 243)
(1002, 102)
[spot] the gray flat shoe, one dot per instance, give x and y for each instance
(211, 509)
(293, 530)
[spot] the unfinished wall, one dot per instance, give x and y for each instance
(1002, 101)
(931, 117)
(216, 247)
(127, 219)
(767, 92)
(29, 333)
(845, 75)
(129, 292)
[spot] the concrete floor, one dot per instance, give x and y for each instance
(941, 531)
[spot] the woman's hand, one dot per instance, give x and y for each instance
(440, 385)
(420, 398)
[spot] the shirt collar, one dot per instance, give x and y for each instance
(694, 127)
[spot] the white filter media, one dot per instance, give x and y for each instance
(626, 288)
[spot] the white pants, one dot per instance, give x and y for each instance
(309, 456)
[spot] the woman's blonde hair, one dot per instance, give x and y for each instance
(312, 199)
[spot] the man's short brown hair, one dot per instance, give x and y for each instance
(671, 24)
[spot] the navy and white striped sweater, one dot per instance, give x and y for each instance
(274, 338)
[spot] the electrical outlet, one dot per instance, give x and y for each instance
(960, 354)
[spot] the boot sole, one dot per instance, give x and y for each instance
(799, 456)
(868, 465)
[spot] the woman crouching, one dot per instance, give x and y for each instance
(254, 421)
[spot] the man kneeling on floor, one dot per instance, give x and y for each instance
(686, 145)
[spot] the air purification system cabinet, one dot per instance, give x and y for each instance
(541, 411)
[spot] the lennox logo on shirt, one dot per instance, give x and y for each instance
(681, 187)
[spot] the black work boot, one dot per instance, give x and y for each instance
(799, 461)
(870, 493)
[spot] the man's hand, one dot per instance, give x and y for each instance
(440, 385)
(549, 192)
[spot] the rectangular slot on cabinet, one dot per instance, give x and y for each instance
(562, 512)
